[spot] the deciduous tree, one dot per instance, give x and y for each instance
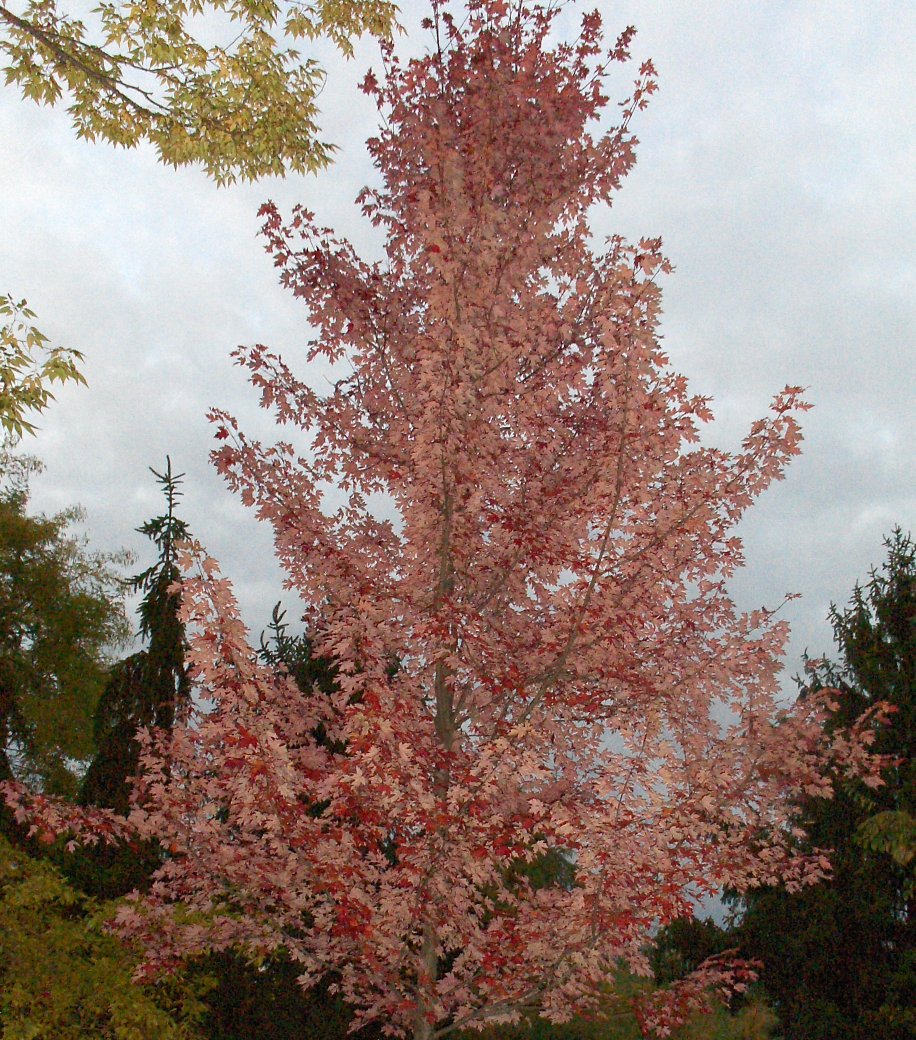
(243, 106)
(27, 367)
(63, 977)
(503, 492)
(61, 617)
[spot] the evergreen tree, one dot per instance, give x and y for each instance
(147, 688)
(295, 655)
(841, 958)
(683, 945)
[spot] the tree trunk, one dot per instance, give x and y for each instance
(426, 982)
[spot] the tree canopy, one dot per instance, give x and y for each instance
(27, 368)
(243, 106)
(840, 960)
(61, 617)
(551, 584)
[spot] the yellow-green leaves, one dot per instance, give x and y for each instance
(243, 108)
(63, 978)
(893, 832)
(61, 615)
(27, 367)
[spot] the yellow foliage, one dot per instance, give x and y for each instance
(243, 111)
(63, 978)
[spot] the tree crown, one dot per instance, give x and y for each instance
(244, 107)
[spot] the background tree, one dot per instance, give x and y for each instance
(27, 367)
(62, 976)
(753, 1022)
(243, 107)
(146, 689)
(683, 944)
(841, 958)
(150, 686)
(61, 616)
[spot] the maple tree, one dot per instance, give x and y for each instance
(504, 494)
(215, 82)
(27, 367)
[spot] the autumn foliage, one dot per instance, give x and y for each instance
(515, 550)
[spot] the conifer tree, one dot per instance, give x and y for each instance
(147, 689)
(840, 960)
(149, 686)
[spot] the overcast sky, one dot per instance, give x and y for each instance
(777, 162)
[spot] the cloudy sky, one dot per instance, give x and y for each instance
(776, 161)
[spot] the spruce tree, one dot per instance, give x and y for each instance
(148, 688)
(841, 958)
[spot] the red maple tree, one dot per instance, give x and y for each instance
(503, 494)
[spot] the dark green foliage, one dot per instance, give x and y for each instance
(315, 676)
(294, 654)
(617, 1020)
(683, 945)
(268, 1003)
(841, 958)
(147, 688)
(550, 868)
(61, 613)
(625, 1028)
